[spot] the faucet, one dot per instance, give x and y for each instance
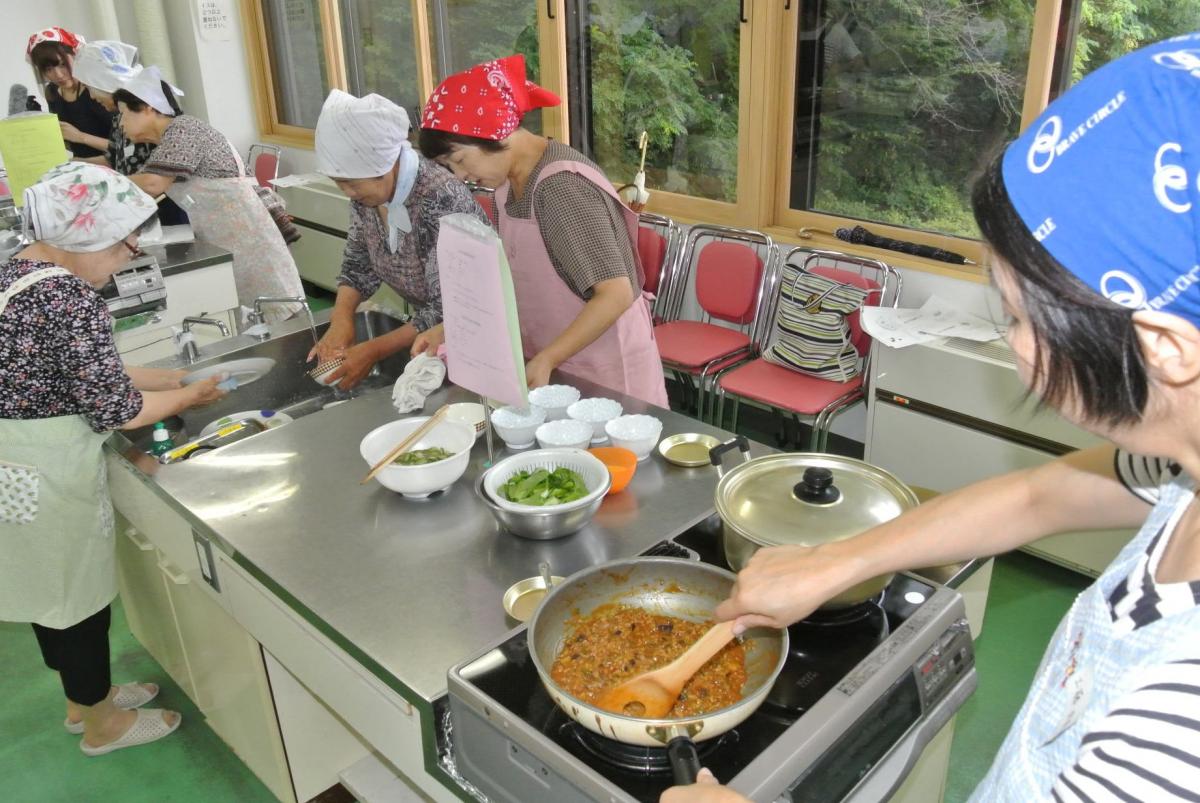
(190, 352)
(258, 322)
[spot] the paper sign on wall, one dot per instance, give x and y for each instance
(30, 145)
(213, 19)
(479, 307)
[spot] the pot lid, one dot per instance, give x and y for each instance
(808, 499)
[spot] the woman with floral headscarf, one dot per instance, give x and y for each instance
(1093, 216)
(85, 122)
(63, 388)
(571, 242)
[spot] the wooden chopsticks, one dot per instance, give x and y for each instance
(415, 436)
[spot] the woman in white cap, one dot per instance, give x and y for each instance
(62, 390)
(104, 67)
(198, 168)
(397, 200)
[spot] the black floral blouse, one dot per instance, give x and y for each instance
(57, 355)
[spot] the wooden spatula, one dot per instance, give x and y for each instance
(652, 695)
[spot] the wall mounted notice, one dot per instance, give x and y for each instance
(30, 145)
(213, 17)
(483, 336)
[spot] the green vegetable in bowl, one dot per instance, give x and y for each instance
(419, 457)
(543, 487)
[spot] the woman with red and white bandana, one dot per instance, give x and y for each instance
(570, 241)
(85, 122)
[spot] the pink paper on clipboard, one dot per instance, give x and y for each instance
(479, 308)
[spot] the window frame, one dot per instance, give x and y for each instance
(767, 72)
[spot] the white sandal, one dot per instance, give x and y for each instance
(129, 696)
(148, 727)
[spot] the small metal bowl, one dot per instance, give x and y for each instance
(522, 597)
(540, 525)
(705, 442)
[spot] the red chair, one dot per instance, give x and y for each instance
(659, 239)
(799, 394)
(729, 277)
(264, 162)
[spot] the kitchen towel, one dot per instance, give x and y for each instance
(423, 375)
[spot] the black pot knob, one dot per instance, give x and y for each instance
(817, 488)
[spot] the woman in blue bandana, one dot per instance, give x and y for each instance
(1094, 219)
(397, 199)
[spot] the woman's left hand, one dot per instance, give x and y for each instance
(358, 360)
(706, 789)
(537, 371)
(70, 133)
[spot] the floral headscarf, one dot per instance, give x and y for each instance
(83, 207)
(486, 101)
(52, 34)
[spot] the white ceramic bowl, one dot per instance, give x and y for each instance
(564, 434)
(469, 413)
(586, 465)
(637, 433)
(517, 426)
(554, 399)
(418, 482)
(596, 412)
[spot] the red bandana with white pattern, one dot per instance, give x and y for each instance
(486, 101)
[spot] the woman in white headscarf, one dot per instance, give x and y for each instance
(397, 199)
(198, 168)
(63, 388)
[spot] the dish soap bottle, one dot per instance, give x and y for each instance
(162, 442)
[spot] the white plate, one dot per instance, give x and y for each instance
(243, 371)
(271, 422)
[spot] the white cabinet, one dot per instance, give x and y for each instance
(962, 415)
(209, 292)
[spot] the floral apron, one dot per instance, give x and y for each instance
(625, 357)
(229, 213)
(57, 556)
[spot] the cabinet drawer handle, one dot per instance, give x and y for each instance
(140, 541)
(173, 574)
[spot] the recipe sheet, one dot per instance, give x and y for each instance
(479, 309)
(30, 144)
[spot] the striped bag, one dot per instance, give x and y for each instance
(811, 334)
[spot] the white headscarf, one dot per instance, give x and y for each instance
(146, 86)
(105, 66)
(84, 207)
(363, 138)
(359, 137)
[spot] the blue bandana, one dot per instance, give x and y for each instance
(1108, 178)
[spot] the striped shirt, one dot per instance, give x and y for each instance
(1147, 748)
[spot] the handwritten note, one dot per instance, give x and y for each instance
(30, 145)
(483, 335)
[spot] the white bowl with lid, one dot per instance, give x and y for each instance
(597, 412)
(564, 434)
(517, 426)
(554, 399)
(637, 433)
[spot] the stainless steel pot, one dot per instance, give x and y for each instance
(668, 586)
(540, 525)
(806, 499)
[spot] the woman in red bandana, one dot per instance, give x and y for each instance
(85, 123)
(570, 240)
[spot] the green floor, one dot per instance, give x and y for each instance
(41, 762)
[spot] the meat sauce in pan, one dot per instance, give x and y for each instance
(617, 642)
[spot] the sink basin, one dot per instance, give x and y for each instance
(287, 388)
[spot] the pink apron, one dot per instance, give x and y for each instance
(624, 358)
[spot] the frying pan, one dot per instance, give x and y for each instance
(664, 586)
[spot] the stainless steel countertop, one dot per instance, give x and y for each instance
(182, 257)
(415, 586)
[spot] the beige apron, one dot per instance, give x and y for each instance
(57, 557)
(229, 213)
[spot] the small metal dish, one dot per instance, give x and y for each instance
(685, 449)
(523, 597)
